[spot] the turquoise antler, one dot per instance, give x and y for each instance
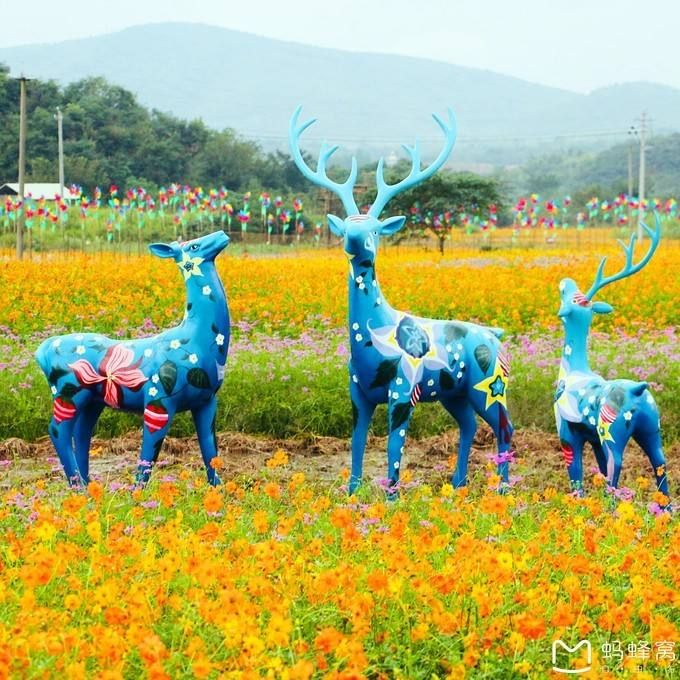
(388, 191)
(629, 268)
(344, 191)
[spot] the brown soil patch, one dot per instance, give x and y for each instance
(322, 458)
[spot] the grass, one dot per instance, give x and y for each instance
(285, 387)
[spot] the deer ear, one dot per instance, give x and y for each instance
(602, 308)
(163, 249)
(336, 225)
(392, 225)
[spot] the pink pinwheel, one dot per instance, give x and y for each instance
(115, 371)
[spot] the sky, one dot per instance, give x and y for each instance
(577, 45)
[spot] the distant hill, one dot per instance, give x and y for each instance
(252, 84)
(604, 173)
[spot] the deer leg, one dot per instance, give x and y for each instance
(61, 429)
(498, 419)
(204, 420)
(463, 413)
(650, 442)
(82, 436)
(152, 441)
(572, 444)
(600, 457)
(399, 409)
(362, 413)
(614, 463)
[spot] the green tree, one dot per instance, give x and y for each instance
(225, 159)
(442, 192)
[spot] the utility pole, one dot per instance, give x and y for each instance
(641, 181)
(630, 182)
(60, 133)
(22, 166)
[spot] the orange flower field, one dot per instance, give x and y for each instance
(282, 578)
(515, 289)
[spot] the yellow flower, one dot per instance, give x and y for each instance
(505, 560)
(279, 459)
(260, 521)
(446, 490)
(190, 266)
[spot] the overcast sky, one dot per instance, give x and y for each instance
(577, 45)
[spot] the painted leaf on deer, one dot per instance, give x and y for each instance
(387, 371)
(168, 376)
(483, 357)
(198, 378)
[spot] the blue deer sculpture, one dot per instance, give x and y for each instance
(180, 369)
(590, 409)
(398, 358)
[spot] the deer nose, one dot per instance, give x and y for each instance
(221, 240)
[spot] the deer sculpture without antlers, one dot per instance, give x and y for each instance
(180, 369)
(398, 358)
(588, 408)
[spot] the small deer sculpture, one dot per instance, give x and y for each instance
(180, 369)
(398, 358)
(588, 408)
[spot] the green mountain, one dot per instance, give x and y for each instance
(603, 173)
(252, 84)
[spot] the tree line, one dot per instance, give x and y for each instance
(111, 139)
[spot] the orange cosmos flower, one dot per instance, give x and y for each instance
(212, 501)
(73, 503)
(273, 490)
(327, 640)
(217, 463)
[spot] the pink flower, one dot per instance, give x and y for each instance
(115, 371)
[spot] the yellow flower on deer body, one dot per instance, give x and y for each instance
(190, 266)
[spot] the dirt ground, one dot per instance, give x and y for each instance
(322, 458)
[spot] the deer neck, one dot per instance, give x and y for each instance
(207, 301)
(575, 350)
(366, 302)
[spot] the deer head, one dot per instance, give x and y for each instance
(361, 232)
(577, 309)
(189, 254)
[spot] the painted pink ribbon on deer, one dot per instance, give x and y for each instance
(115, 371)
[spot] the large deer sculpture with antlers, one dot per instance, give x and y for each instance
(401, 359)
(181, 369)
(588, 408)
